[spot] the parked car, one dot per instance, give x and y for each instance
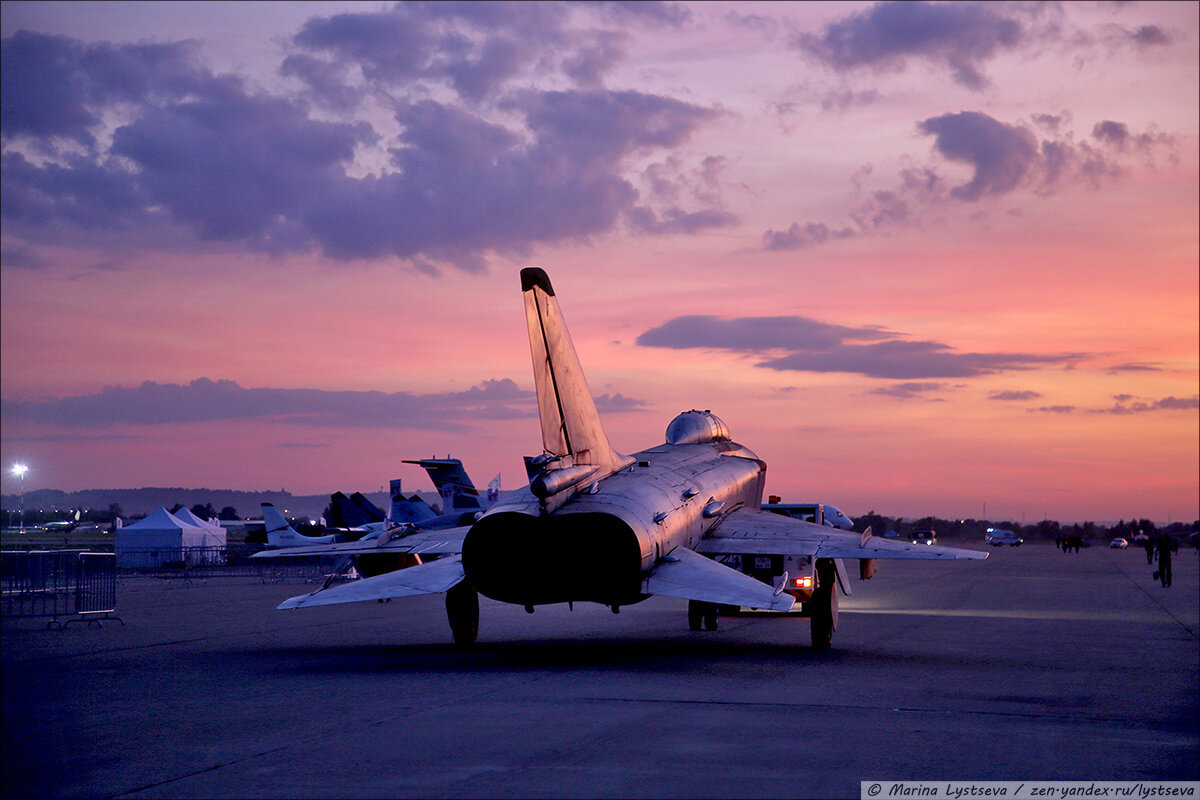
(925, 536)
(1118, 544)
(998, 536)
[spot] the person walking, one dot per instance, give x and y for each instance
(1166, 546)
(1149, 545)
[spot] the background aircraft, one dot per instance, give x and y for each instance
(461, 503)
(599, 526)
(820, 513)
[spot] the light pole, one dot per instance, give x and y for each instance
(19, 470)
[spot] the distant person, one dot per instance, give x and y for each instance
(1149, 544)
(1166, 546)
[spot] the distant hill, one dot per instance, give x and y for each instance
(136, 502)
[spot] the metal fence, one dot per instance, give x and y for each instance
(232, 561)
(58, 584)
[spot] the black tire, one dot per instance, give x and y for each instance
(710, 617)
(462, 609)
(695, 614)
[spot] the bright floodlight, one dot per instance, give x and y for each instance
(19, 470)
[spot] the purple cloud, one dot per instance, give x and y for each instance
(53, 86)
(205, 400)
(959, 36)
(1135, 366)
(1149, 36)
(477, 49)
(1053, 410)
(1125, 405)
(909, 390)
(205, 155)
(798, 237)
(1014, 395)
(1004, 157)
(821, 347)
(753, 334)
(913, 359)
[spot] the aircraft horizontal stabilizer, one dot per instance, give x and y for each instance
(691, 576)
(432, 578)
(439, 541)
(753, 531)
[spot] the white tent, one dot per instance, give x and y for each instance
(187, 517)
(162, 538)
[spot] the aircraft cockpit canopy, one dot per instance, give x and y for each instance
(697, 427)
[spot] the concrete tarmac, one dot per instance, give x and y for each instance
(1033, 664)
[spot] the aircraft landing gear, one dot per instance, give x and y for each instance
(702, 613)
(824, 605)
(462, 609)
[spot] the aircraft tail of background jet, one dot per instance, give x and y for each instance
(407, 509)
(572, 434)
(281, 534)
(455, 487)
(355, 511)
(374, 512)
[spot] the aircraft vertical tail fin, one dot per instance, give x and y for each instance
(273, 520)
(455, 487)
(372, 511)
(571, 428)
(281, 534)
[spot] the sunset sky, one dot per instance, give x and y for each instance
(919, 257)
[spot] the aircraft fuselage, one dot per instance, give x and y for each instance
(600, 543)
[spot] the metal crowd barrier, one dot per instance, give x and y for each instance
(56, 584)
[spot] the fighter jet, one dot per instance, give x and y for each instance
(461, 504)
(599, 526)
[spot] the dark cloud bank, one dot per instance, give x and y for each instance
(958, 37)
(814, 346)
(490, 165)
(145, 144)
(205, 400)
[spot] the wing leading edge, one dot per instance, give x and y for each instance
(749, 530)
(690, 576)
(438, 541)
(432, 578)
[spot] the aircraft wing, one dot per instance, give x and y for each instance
(749, 530)
(432, 578)
(401, 540)
(691, 576)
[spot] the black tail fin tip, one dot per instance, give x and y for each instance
(536, 276)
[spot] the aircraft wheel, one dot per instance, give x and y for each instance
(824, 605)
(710, 617)
(695, 614)
(462, 609)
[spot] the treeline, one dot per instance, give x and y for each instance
(966, 529)
(1046, 530)
(105, 516)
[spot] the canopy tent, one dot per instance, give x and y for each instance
(188, 518)
(162, 538)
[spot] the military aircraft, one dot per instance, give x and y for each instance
(461, 504)
(599, 526)
(821, 513)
